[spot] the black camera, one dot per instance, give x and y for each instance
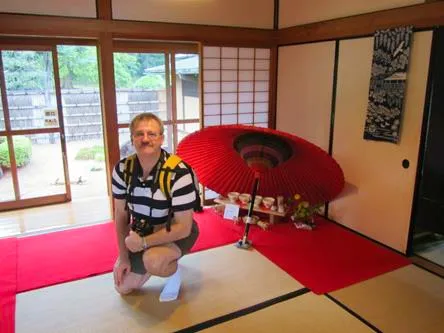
(141, 226)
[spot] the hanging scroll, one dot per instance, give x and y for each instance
(391, 51)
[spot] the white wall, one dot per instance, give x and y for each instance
(237, 13)
(304, 95)
(380, 207)
(75, 8)
(378, 196)
(297, 12)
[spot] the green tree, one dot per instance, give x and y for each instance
(148, 60)
(24, 69)
(78, 66)
(125, 69)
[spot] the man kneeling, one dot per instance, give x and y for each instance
(148, 245)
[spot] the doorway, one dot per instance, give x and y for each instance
(51, 135)
(427, 236)
(32, 140)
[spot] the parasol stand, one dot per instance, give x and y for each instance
(244, 243)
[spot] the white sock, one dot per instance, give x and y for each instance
(172, 286)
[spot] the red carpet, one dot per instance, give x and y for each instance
(8, 269)
(62, 256)
(214, 231)
(326, 259)
(323, 260)
(73, 254)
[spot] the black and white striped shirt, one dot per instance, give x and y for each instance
(143, 204)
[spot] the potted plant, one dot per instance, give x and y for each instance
(302, 212)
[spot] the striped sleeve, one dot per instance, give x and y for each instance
(183, 192)
(118, 184)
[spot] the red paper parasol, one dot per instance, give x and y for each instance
(228, 158)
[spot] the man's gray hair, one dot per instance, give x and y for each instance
(146, 116)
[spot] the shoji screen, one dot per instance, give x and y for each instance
(235, 86)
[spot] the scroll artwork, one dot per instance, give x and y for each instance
(388, 80)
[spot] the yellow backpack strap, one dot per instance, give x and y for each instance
(165, 174)
(128, 169)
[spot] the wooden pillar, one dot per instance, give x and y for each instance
(109, 108)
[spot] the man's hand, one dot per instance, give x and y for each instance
(133, 242)
(121, 268)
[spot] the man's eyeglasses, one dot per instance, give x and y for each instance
(151, 135)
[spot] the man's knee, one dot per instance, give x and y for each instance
(158, 265)
(152, 263)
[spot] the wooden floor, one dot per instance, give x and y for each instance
(47, 218)
(231, 290)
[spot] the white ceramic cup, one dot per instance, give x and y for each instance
(244, 198)
(268, 202)
(233, 196)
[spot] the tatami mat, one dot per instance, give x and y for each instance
(305, 313)
(215, 282)
(408, 299)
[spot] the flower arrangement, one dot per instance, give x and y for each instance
(302, 213)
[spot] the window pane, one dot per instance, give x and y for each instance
(244, 86)
(229, 52)
(39, 165)
(211, 63)
(187, 86)
(82, 115)
(168, 141)
(211, 87)
(140, 85)
(212, 98)
(246, 118)
(184, 129)
(229, 98)
(211, 120)
(229, 119)
(229, 108)
(30, 89)
(6, 186)
(211, 51)
(212, 109)
(126, 147)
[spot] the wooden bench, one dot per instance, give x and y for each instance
(272, 213)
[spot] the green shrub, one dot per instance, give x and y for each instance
(22, 150)
(152, 82)
(89, 153)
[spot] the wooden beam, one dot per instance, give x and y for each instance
(272, 104)
(32, 202)
(420, 16)
(45, 44)
(191, 32)
(104, 9)
(49, 26)
(156, 47)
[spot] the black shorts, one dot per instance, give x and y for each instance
(184, 244)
